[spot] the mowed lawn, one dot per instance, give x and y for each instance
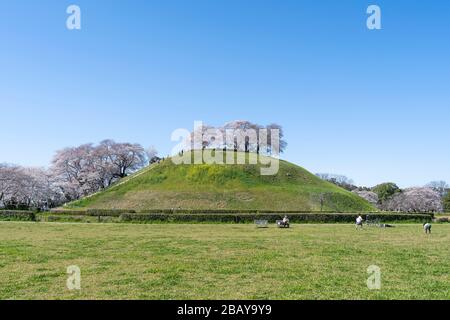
(222, 261)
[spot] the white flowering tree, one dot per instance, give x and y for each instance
(239, 135)
(370, 196)
(414, 200)
(86, 169)
(22, 187)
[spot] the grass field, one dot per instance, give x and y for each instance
(170, 261)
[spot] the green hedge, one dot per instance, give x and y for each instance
(232, 211)
(75, 218)
(92, 212)
(68, 212)
(107, 212)
(228, 211)
(12, 215)
(250, 218)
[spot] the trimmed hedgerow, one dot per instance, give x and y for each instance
(75, 218)
(249, 218)
(224, 211)
(281, 212)
(107, 212)
(12, 215)
(68, 212)
(92, 212)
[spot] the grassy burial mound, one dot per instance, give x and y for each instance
(230, 186)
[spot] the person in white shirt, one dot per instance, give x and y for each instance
(359, 222)
(285, 221)
(427, 228)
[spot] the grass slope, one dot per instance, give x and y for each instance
(167, 186)
(222, 261)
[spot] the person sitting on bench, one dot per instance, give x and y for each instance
(285, 221)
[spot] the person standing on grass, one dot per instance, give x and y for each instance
(359, 222)
(427, 228)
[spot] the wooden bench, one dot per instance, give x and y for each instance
(262, 223)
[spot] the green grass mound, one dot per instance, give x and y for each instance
(225, 187)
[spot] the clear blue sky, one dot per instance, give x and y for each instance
(374, 105)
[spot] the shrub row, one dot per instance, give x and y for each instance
(232, 211)
(107, 212)
(92, 212)
(127, 216)
(13, 215)
(68, 212)
(216, 211)
(250, 218)
(75, 218)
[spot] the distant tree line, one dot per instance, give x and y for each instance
(75, 172)
(433, 197)
(447, 202)
(339, 180)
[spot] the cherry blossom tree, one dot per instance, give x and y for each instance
(414, 200)
(239, 135)
(75, 172)
(125, 158)
(86, 169)
(9, 177)
(24, 188)
(152, 154)
(370, 196)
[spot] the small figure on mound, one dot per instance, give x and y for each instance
(359, 222)
(283, 223)
(427, 228)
